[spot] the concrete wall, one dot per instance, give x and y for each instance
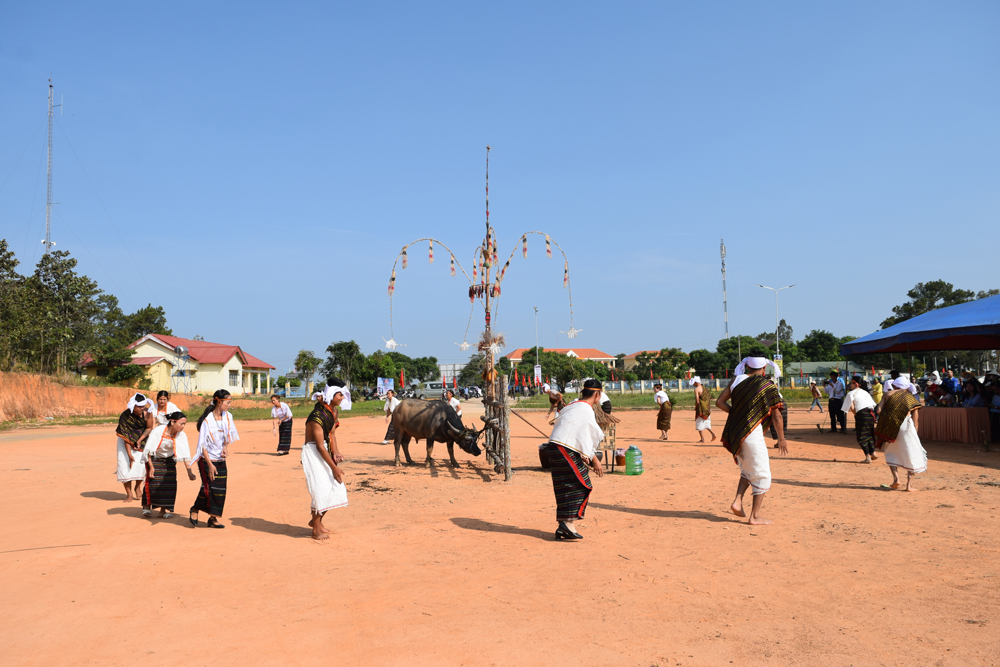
(24, 396)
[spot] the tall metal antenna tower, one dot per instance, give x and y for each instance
(47, 242)
(725, 303)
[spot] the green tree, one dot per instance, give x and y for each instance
(148, 320)
(377, 364)
(306, 363)
(820, 345)
(343, 357)
(67, 305)
(472, 373)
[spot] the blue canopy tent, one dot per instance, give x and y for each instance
(967, 326)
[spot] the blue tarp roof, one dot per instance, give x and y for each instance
(967, 326)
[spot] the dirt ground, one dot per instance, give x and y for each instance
(452, 567)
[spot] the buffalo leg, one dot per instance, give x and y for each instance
(451, 453)
(395, 443)
(430, 452)
(406, 449)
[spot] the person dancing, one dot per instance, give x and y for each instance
(165, 446)
(755, 400)
(702, 409)
(324, 478)
(216, 431)
(281, 423)
(572, 447)
(861, 403)
(896, 434)
(556, 402)
(134, 424)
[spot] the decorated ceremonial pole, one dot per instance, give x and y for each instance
(487, 276)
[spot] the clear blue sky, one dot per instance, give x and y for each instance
(851, 148)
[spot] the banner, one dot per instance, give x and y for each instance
(383, 385)
(779, 363)
(538, 374)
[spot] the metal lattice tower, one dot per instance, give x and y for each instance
(725, 303)
(47, 242)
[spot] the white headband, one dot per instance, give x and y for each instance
(696, 380)
(329, 392)
(134, 402)
(757, 363)
(900, 383)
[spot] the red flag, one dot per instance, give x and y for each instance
(873, 370)
(727, 373)
(650, 373)
(444, 383)
(612, 376)
(515, 376)
(402, 381)
(711, 376)
(800, 370)
(454, 382)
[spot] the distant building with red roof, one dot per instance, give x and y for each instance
(584, 353)
(207, 366)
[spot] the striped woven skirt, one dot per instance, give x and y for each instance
(570, 481)
(161, 489)
(212, 494)
(864, 429)
(663, 416)
(285, 436)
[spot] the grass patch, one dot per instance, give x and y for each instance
(683, 399)
(301, 409)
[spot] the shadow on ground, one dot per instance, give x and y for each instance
(265, 526)
(664, 514)
(104, 495)
(490, 527)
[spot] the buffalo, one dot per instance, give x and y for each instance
(431, 420)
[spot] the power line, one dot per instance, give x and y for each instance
(108, 213)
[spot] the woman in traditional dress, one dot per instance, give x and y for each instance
(666, 410)
(390, 406)
(556, 402)
(216, 431)
(281, 424)
(134, 424)
(861, 403)
(896, 433)
(702, 409)
(324, 478)
(164, 407)
(572, 447)
(165, 446)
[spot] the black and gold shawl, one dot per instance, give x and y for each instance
(326, 417)
(130, 427)
(703, 408)
(753, 400)
(897, 406)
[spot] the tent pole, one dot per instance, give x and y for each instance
(909, 361)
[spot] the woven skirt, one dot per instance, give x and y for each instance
(570, 481)
(212, 494)
(285, 436)
(864, 429)
(663, 416)
(161, 489)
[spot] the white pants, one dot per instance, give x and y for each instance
(755, 466)
(325, 491)
(128, 471)
(702, 424)
(907, 452)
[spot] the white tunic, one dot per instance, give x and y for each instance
(661, 397)
(576, 428)
(390, 405)
(161, 417)
(281, 411)
(325, 492)
(129, 471)
(455, 404)
(907, 452)
(214, 434)
(160, 444)
(860, 399)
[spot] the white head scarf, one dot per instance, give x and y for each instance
(317, 396)
(329, 392)
(936, 377)
(696, 380)
(546, 388)
(901, 383)
(756, 363)
(137, 400)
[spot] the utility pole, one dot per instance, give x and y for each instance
(777, 326)
(536, 334)
(47, 242)
(725, 303)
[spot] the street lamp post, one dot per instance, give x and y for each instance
(536, 334)
(777, 331)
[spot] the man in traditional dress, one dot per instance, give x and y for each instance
(702, 409)
(860, 402)
(896, 434)
(755, 400)
(572, 447)
(665, 411)
(324, 478)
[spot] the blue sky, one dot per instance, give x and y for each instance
(264, 165)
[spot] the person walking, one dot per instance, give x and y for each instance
(134, 425)
(702, 409)
(814, 390)
(454, 402)
(896, 434)
(755, 400)
(165, 446)
(164, 407)
(572, 447)
(837, 392)
(665, 411)
(324, 478)
(281, 424)
(861, 403)
(216, 431)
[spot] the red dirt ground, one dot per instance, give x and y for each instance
(442, 567)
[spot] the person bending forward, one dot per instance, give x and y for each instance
(134, 425)
(755, 400)
(324, 478)
(896, 434)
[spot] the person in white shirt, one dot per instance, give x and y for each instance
(454, 402)
(555, 400)
(861, 403)
(572, 447)
(166, 445)
(837, 391)
(665, 412)
(216, 431)
(281, 424)
(164, 407)
(390, 406)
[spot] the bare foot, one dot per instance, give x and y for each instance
(874, 457)
(865, 461)
(759, 522)
(911, 488)
(737, 510)
(894, 485)
(319, 535)
(713, 438)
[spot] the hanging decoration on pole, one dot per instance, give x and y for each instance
(485, 285)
